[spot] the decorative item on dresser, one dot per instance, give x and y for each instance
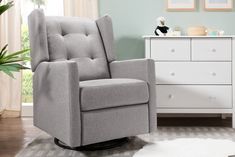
(161, 29)
(193, 74)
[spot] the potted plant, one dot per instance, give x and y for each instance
(10, 62)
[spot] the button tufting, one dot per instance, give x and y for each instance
(68, 57)
(63, 33)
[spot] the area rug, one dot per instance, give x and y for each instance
(191, 147)
(43, 146)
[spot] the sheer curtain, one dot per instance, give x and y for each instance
(10, 89)
(82, 8)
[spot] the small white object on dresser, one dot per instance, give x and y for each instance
(194, 74)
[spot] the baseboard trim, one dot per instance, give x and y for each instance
(190, 115)
(27, 110)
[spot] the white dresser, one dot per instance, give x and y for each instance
(193, 74)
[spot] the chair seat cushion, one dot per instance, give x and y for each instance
(106, 93)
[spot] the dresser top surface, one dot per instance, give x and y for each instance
(154, 36)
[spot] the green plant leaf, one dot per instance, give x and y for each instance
(14, 57)
(9, 68)
(17, 53)
(17, 65)
(12, 61)
(4, 48)
(9, 74)
(6, 71)
(9, 62)
(3, 51)
(3, 54)
(5, 7)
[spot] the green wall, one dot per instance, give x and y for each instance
(134, 18)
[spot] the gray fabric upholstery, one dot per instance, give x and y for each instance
(56, 102)
(106, 93)
(38, 38)
(106, 30)
(106, 124)
(75, 98)
(142, 69)
(77, 39)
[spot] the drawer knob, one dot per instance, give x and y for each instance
(172, 50)
(172, 73)
(170, 96)
(213, 50)
(212, 98)
(213, 73)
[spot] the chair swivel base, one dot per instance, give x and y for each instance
(92, 147)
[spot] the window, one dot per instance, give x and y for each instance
(51, 8)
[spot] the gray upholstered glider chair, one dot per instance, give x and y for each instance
(81, 94)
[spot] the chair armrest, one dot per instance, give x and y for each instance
(143, 69)
(56, 100)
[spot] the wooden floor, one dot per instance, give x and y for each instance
(15, 133)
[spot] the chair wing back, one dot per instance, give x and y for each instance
(72, 38)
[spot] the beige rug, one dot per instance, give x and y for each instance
(43, 146)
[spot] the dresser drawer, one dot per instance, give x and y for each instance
(212, 49)
(170, 49)
(194, 96)
(193, 72)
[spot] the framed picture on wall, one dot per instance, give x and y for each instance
(219, 5)
(180, 5)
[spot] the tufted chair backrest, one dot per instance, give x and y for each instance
(87, 42)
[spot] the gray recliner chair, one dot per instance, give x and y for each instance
(81, 95)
